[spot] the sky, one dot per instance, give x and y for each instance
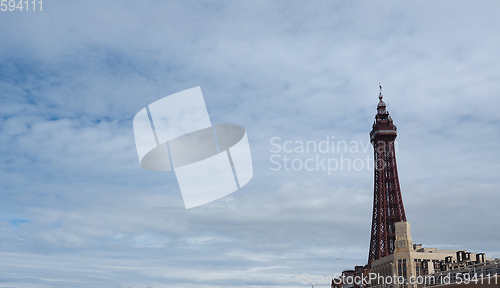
(78, 210)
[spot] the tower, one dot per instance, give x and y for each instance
(387, 201)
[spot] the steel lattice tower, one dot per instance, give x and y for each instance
(387, 201)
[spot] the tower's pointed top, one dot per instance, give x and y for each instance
(380, 93)
(381, 103)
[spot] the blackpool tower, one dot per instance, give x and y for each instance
(387, 201)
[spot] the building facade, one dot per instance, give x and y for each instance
(412, 265)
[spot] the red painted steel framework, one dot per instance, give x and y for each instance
(387, 201)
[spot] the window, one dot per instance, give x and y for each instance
(418, 267)
(402, 268)
(437, 265)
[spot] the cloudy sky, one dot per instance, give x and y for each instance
(77, 209)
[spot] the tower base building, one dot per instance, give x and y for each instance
(412, 265)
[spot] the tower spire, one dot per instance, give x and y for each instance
(381, 104)
(387, 200)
